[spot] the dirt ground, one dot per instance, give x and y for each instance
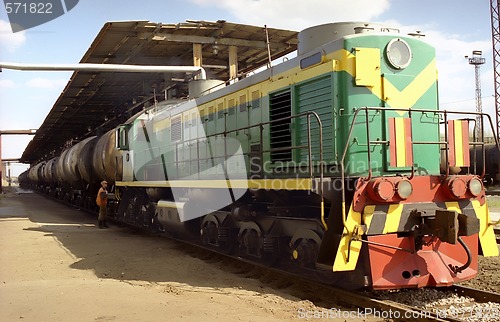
(488, 277)
(55, 265)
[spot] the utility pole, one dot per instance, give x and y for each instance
(476, 60)
(9, 180)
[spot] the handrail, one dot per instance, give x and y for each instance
(260, 125)
(308, 114)
(445, 113)
(308, 146)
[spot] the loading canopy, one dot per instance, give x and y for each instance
(94, 102)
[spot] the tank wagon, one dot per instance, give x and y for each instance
(327, 165)
(491, 170)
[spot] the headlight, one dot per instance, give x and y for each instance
(398, 53)
(404, 189)
(381, 189)
(475, 186)
(457, 186)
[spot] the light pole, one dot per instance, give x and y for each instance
(476, 60)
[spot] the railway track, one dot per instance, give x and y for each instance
(493, 192)
(334, 302)
(455, 303)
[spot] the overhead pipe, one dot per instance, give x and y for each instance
(105, 68)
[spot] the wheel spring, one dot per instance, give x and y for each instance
(270, 244)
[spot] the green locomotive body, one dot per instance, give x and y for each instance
(267, 114)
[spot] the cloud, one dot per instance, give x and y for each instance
(298, 14)
(7, 83)
(46, 83)
(455, 75)
(10, 41)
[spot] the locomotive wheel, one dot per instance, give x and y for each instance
(79, 201)
(216, 235)
(150, 220)
(130, 214)
(250, 243)
(209, 231)
(305, 247)
(306, 253)
(155, 225)
(209, 234)
(250, 240)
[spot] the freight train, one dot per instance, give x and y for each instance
(325, 165)
(491, 169)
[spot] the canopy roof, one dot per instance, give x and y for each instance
(94, 102)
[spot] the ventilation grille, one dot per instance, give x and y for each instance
(281, 136)
(176, 129)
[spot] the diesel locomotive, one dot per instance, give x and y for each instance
(337, 164)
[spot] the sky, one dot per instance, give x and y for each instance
(454, 27)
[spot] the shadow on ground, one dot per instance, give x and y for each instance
(124, 254)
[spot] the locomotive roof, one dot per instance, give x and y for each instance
(94, 102)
